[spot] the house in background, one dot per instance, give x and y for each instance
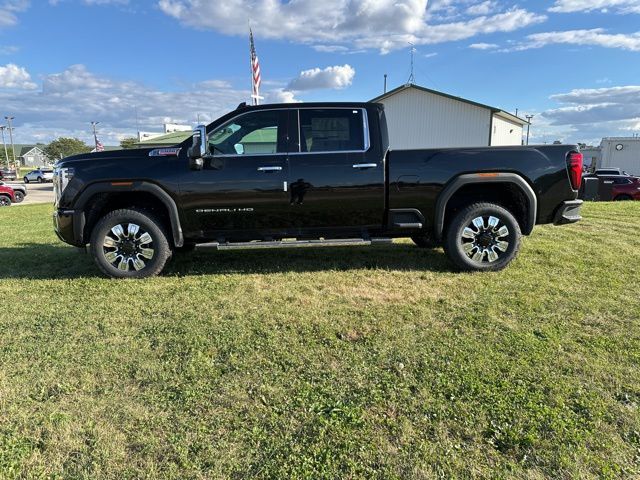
(419, 117)
(30, 155)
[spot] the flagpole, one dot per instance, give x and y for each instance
(95, 135)
(253, 90)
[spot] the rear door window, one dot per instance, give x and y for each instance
(332, 130)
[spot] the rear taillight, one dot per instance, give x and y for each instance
(574, 165)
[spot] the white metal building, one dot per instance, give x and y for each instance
(418, 117)
(621, 152)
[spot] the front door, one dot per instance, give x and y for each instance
(242, 185)
(336, 179)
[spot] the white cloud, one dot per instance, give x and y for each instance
(594, 37)
(70, 99)
(483, 8)
(372, 24)
(618, 6)
(9, 10)
(596, 106)
(483, 46)
(14, 77)
(336, 77)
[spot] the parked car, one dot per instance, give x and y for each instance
(20, 190)
(8, 175)
(606, 172)
(40, 175)
(625, 188)
(7, 196)
(310, 171)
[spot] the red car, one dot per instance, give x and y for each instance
(7, 196)
(626, 188)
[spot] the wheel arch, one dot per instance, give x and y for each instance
(93, 202)
(509, 180)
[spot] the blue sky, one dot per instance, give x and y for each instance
(575, 64)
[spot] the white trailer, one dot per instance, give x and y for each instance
(621, 152)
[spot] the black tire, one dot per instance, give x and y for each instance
(26, 180)
(623, 198)
(425, 242)
(475, 253)
(19, 196)
(5, 201)
(40, 180)
(131, 246)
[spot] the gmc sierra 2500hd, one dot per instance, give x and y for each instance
(309, 171)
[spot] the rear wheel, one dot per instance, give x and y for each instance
(130, 243)
(623, 198)
(19, 196)
(5, 201)
(483, 237)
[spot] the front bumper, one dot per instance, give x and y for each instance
(69, 226)
(568, 213)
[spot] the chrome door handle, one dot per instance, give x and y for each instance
(270, 169)
(365, 165)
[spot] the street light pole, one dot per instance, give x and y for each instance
(13, 149)
(529, 118)
(4, 145)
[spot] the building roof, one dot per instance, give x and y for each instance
(22, 148)
(265, 135)
(498, 111)
(169, 139)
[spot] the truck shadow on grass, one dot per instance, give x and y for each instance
(50, 262)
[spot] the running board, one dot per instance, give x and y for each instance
(294, 244)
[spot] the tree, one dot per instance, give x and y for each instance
(63, 147)
(129, 142)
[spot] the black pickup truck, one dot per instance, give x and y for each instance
(309, 171)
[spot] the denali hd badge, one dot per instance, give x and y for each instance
(165, 152)
(223, 210)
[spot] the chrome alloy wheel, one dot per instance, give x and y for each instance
(128, 248)
(484, 240)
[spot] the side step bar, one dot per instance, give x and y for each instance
(294, 244)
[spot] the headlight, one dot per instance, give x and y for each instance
(61, 178)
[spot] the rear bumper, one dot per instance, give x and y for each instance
(69, 226)
(569, 212)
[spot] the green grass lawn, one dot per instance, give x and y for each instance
(346, 362)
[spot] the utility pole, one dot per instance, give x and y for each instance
(95, 134)
(385, 83)
(13, 149)
(529, 118)
(4, 145)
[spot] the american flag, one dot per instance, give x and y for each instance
(99, 146)
(255, 70)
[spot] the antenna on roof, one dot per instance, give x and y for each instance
(412, 78)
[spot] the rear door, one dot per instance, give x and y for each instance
(333, 179)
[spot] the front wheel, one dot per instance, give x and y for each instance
(40, 180)
(5, 201)
(130, 243)
(19, 196)
(483, 237)
(26, 180)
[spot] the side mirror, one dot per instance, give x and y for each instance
(198, 150)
